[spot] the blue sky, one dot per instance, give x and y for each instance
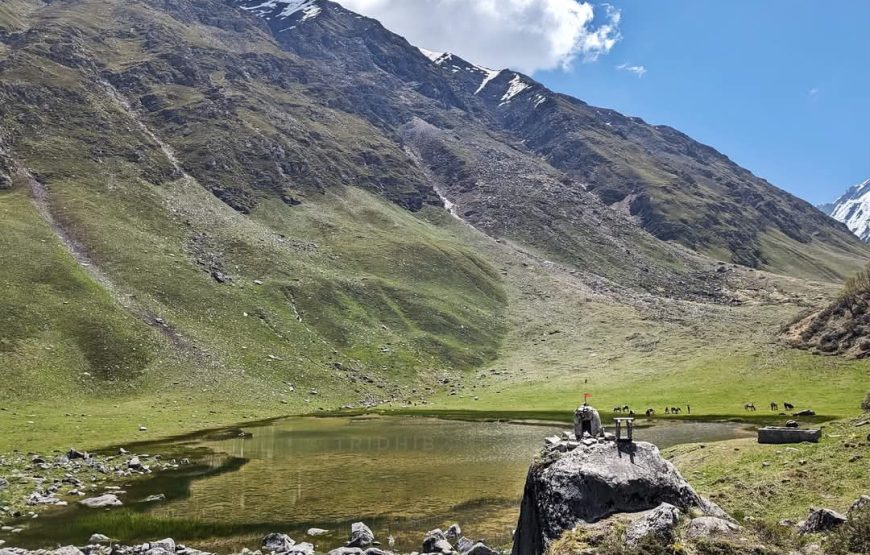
(781, 87)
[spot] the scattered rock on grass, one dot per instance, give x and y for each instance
(709, 526)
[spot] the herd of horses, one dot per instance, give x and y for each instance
(773, 406)
(625, 409)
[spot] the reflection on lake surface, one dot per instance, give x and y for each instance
(402, 476)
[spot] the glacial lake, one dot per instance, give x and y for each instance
(400, 475)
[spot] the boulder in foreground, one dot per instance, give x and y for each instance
(593, 482)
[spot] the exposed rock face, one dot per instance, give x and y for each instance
(593, 482)
(842, 328)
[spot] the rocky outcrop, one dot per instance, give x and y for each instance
(841, 328)
(593, 482)
(821, 520)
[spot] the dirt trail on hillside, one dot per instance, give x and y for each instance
(40, 195)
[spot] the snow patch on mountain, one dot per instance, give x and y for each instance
(853, 209)
(431, 54)
(267, 9)
(515, 87)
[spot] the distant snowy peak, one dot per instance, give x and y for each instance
(853, 209)
(510, 87)
(281, 9)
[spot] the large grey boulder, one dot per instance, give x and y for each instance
(709, 526)
(360, 535)
(821, 520)
(103, 501)
(658, 523)
(593, 482)
(278, 543)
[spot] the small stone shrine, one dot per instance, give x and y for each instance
(587, 421)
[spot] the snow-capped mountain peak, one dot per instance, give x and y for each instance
(853, 209)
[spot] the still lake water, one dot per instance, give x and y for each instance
(402, 476)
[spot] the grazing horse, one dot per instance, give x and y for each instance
(617, 409)
(625, 409)
(676, 410)
(749, 406)
(650, 412)
(667, 410)
(788, 406)
(774, 406)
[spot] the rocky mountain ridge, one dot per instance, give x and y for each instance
(248, 194)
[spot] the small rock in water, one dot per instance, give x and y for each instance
(107, 500)
(317, 532)
(154, 498)
(360, 535)
(142, 428)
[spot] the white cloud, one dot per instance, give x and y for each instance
(813, 92)
(637, 70)
(526, 35)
